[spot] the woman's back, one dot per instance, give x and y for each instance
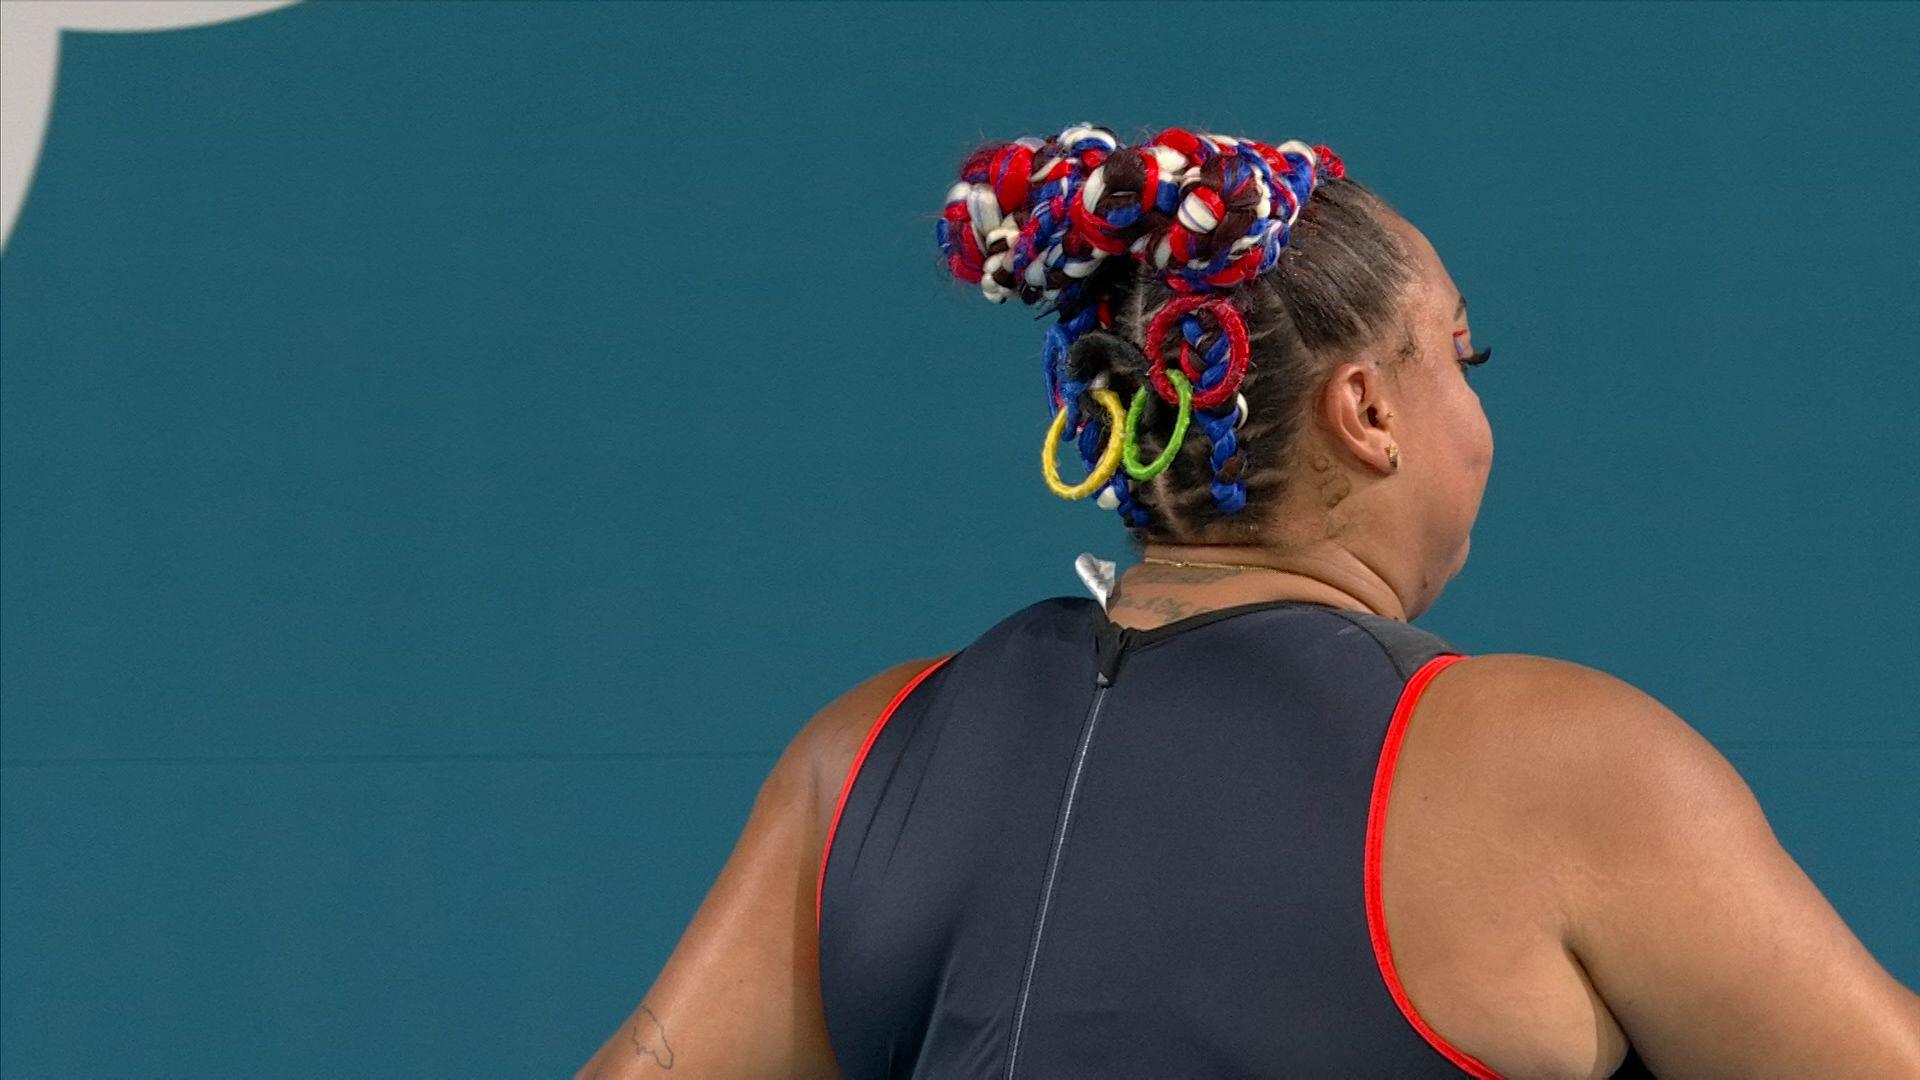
(1075, 848)
(1169, 875)
(1288, 834)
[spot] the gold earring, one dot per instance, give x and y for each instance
(1393, 455)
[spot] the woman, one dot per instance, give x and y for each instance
(1148, 834)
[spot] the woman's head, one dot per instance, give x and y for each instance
(1313, 334)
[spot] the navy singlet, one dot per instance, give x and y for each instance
(1074, 849)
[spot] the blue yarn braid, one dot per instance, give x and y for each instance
(1219, 421)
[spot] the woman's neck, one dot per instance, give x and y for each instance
(1152, 593)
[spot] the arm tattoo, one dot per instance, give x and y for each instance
(650, 1038)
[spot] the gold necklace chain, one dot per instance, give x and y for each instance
(1215, 565)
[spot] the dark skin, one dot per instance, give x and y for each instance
(1567, 864)
(740, 995)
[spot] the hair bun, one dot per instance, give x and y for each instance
(1226, 207)
(1008, 223)
(1034, 218)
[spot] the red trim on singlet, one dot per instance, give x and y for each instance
(873, 733)
(1376, 833)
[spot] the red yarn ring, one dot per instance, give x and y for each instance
(1231, 324)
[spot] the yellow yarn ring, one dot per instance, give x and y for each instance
(1109, 458)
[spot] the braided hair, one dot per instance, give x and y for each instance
(1207, 277)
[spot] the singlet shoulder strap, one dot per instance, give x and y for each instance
(1406, 645)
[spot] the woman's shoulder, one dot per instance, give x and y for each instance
(1562, 763)
(1555, 728)
(1657, 869)
(832, 740)
(1526, 690)
(1576, 777)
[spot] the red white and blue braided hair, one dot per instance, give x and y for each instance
(1203, 215)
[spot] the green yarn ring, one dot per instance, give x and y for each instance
(1131, 449)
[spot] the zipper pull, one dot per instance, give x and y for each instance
(1113, 642)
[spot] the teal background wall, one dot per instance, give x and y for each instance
(450, 448)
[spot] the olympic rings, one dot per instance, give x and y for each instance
(1131, 452)
(1109, 458)
(1231, 324)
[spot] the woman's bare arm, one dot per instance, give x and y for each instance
(1709, 944)
(740, 995)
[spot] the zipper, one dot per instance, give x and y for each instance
(1102, 681)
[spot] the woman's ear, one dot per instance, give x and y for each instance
(1354, 411)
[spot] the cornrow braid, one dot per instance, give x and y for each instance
(1202, 220)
